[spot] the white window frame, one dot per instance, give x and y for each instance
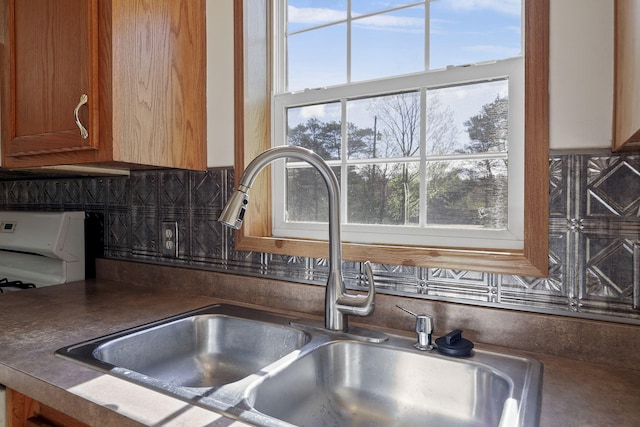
(511, 69)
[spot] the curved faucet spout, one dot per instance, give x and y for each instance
(338, 303)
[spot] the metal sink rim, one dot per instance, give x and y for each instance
(234, 400)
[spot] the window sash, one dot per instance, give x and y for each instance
(512, 238)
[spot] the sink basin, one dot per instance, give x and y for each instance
(356, 384)
(200, 350)
(207, 350)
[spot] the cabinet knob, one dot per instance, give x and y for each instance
(83, 131)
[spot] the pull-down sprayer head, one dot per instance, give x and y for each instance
(233, 212)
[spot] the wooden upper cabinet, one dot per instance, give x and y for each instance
(141, 65)
(626, 118)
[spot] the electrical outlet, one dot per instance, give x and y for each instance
(169, 239)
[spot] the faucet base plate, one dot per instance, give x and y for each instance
(353, 332)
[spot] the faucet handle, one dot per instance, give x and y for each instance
(359, 305)
(424, 329)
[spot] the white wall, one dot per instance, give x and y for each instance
(220, 83)
(581, 74)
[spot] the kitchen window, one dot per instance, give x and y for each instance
(422, 183)
(418, 108)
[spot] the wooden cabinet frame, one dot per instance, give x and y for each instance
(145, 69)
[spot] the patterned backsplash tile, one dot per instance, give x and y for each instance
(594, 230)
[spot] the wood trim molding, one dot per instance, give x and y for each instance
(536, 127)
(252, 124)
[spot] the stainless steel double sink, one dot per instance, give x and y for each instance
(254, 366)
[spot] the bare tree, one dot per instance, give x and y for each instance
(400, 116)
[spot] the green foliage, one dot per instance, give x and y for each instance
(469, 193)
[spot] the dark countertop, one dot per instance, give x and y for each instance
(37, 322)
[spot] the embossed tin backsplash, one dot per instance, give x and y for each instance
(594, 230)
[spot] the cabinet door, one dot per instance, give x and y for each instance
(23, 411)
(49, 60)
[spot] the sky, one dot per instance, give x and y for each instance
(461, 32)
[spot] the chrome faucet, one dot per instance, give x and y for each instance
(338, 303)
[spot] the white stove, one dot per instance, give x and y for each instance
(40, 249)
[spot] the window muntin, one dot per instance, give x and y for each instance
(482, 205)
